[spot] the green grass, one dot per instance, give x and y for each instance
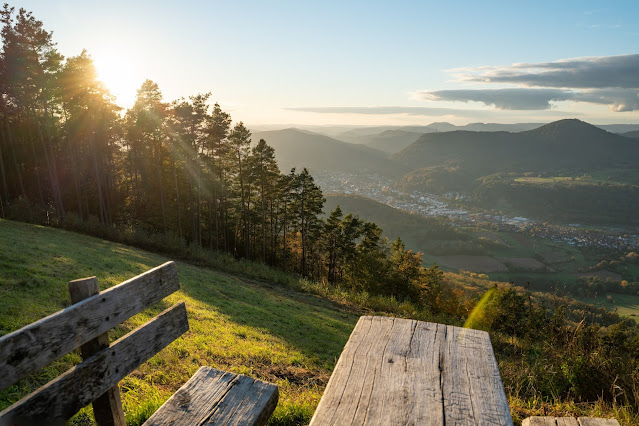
(268, 332)
(626, 305)
(521, 278)
(548, 180)
(615, 176)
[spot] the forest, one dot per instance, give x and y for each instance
(181, 171)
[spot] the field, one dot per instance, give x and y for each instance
(471, 263)
(626, 305)
(549, 180)
(595, 177)
(269, 332)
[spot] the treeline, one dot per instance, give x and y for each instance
(180, 169)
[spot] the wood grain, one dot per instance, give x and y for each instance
(27, 350)
(64, 396)
(107, 408)
(594, 421)
(397, 372)
(214, 397)
(539, 421)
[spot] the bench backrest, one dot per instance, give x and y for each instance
(85, 324)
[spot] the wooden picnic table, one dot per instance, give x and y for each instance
(404, 372)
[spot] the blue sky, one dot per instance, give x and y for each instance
(340, 62)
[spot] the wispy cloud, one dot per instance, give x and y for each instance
(591, 72)
(607, 80)
(517, 98)
(538, 99)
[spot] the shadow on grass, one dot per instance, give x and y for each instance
(314, 326)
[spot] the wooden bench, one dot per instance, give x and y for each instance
(404, 372)
(209, 397)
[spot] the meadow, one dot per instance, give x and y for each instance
(265, 331)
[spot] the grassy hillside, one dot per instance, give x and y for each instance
(279, 335)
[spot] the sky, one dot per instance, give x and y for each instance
(366, 62)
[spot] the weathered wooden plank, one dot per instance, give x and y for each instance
(27, 350)
(397, 371)
(595, 421)
(214, 397)
(64, 396)
(107, 408)
(472, 388)
(566, 421)
(539, 421)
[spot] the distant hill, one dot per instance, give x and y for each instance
(633, 134)
(619, 128)
(301, 148)
(564, 144)
(389, 141)
(360, 134)
(485, 127)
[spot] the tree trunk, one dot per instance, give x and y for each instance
(158, 164)
(96, 171)
(177, 195)
(5, 187)
(15, 160)
(52, 177)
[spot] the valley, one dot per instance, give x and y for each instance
(564, 250)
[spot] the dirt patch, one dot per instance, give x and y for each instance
(525, 263)
(521, 239)
(602, 275)
(492, 237)
(295, 375)
(471, 263)
(556, 256)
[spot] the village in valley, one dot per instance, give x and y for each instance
(455, 207)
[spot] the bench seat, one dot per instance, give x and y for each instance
(213, 397)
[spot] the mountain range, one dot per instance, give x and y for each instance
(301, 148)
(564, 144)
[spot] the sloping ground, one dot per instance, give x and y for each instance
(524, 263)
(272, 333)
(471, 263)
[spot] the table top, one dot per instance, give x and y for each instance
(398, 372)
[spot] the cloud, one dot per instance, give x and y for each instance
(618, 100)
(603, 80)
(593, 72)
(538, 99)
(517, 98)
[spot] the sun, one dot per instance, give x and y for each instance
(121, 75)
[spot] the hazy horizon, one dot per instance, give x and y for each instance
(366, 63)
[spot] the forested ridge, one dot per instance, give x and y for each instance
(181, 169)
